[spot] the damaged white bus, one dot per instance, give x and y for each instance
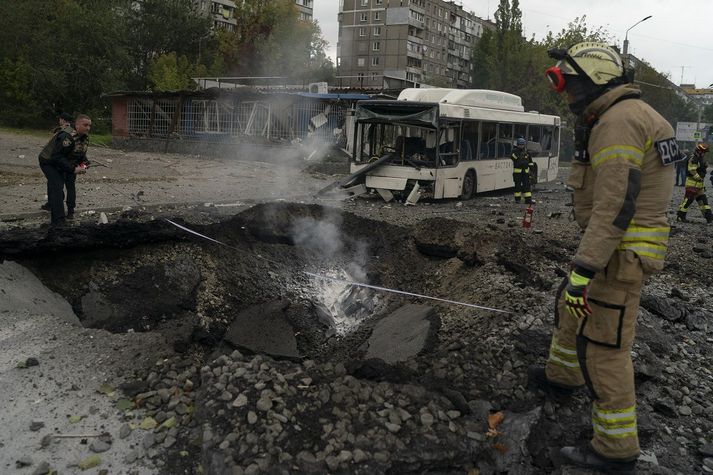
(446, 143)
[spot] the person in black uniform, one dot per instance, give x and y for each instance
(521, 161)
(65, 122)
(66, 159)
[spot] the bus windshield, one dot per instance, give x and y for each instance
(405, 144)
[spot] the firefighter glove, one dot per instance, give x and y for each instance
(575, 295)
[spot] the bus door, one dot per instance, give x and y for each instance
(449, 180)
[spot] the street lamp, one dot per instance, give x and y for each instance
(626, 36)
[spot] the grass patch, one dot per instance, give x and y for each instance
(100, 139)
(94, 139)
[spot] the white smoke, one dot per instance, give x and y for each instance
(346, 304)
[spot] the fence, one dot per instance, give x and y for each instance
(279, 119)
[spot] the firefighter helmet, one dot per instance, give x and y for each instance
(597, 61)
(702, 148)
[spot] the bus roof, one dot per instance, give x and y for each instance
(484, 98)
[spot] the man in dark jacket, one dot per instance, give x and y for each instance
(65, 121)
(61, 160)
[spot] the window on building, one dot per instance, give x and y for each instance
(362, 31)
(378, 2)
(361, 62)
(364, 16)
(375, 61)
(377, 16)
(377, 31)
(364, 3)
(376, 46)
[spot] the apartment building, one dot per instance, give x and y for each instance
(392, 44)
(703, 96)
(221, 12)
(305, 8)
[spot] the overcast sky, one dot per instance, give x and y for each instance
(677, 39)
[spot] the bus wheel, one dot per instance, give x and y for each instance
(470, 185)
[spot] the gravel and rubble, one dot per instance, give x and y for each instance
(461, 405)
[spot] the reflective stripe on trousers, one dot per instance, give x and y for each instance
(616, 424)
(562, 355)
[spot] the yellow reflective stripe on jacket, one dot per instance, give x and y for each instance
(650, 242)
(563, 356)
(627, 152)
(617, 423)
(653, 251)
(638, 233)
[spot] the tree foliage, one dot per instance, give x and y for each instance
(271, 40)
(505, 60)
(63, 55)
(169, 73)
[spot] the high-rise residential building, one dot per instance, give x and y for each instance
(392, 44)
(222, 12)
(305, 7)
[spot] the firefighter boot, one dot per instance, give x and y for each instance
(537, 379)
(45, 207)
(586, 457)
(709, 216)
(681, 216)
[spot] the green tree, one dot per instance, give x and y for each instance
(168, 73)
(159, 27)
(707, 114)
(271, 40)
(58, 55)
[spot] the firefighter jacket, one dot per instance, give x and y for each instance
(521, 160)
(623, 185)
(696, 172)
(67, 150)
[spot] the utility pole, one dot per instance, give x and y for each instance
(682, 68)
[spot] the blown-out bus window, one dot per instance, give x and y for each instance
(505, 140)
(469, 142)
(488, 140)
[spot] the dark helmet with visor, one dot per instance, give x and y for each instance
(586, 70)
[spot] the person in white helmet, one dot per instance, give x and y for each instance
(622, 176)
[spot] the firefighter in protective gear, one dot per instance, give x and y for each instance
(622, 176)
(695, 188)
(521, 161)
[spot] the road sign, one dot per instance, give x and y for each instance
(692, 131)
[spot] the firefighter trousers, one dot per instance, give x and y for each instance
(522, 185)
(699, 195)
(596, 351)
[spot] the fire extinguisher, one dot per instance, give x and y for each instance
(527, 219)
